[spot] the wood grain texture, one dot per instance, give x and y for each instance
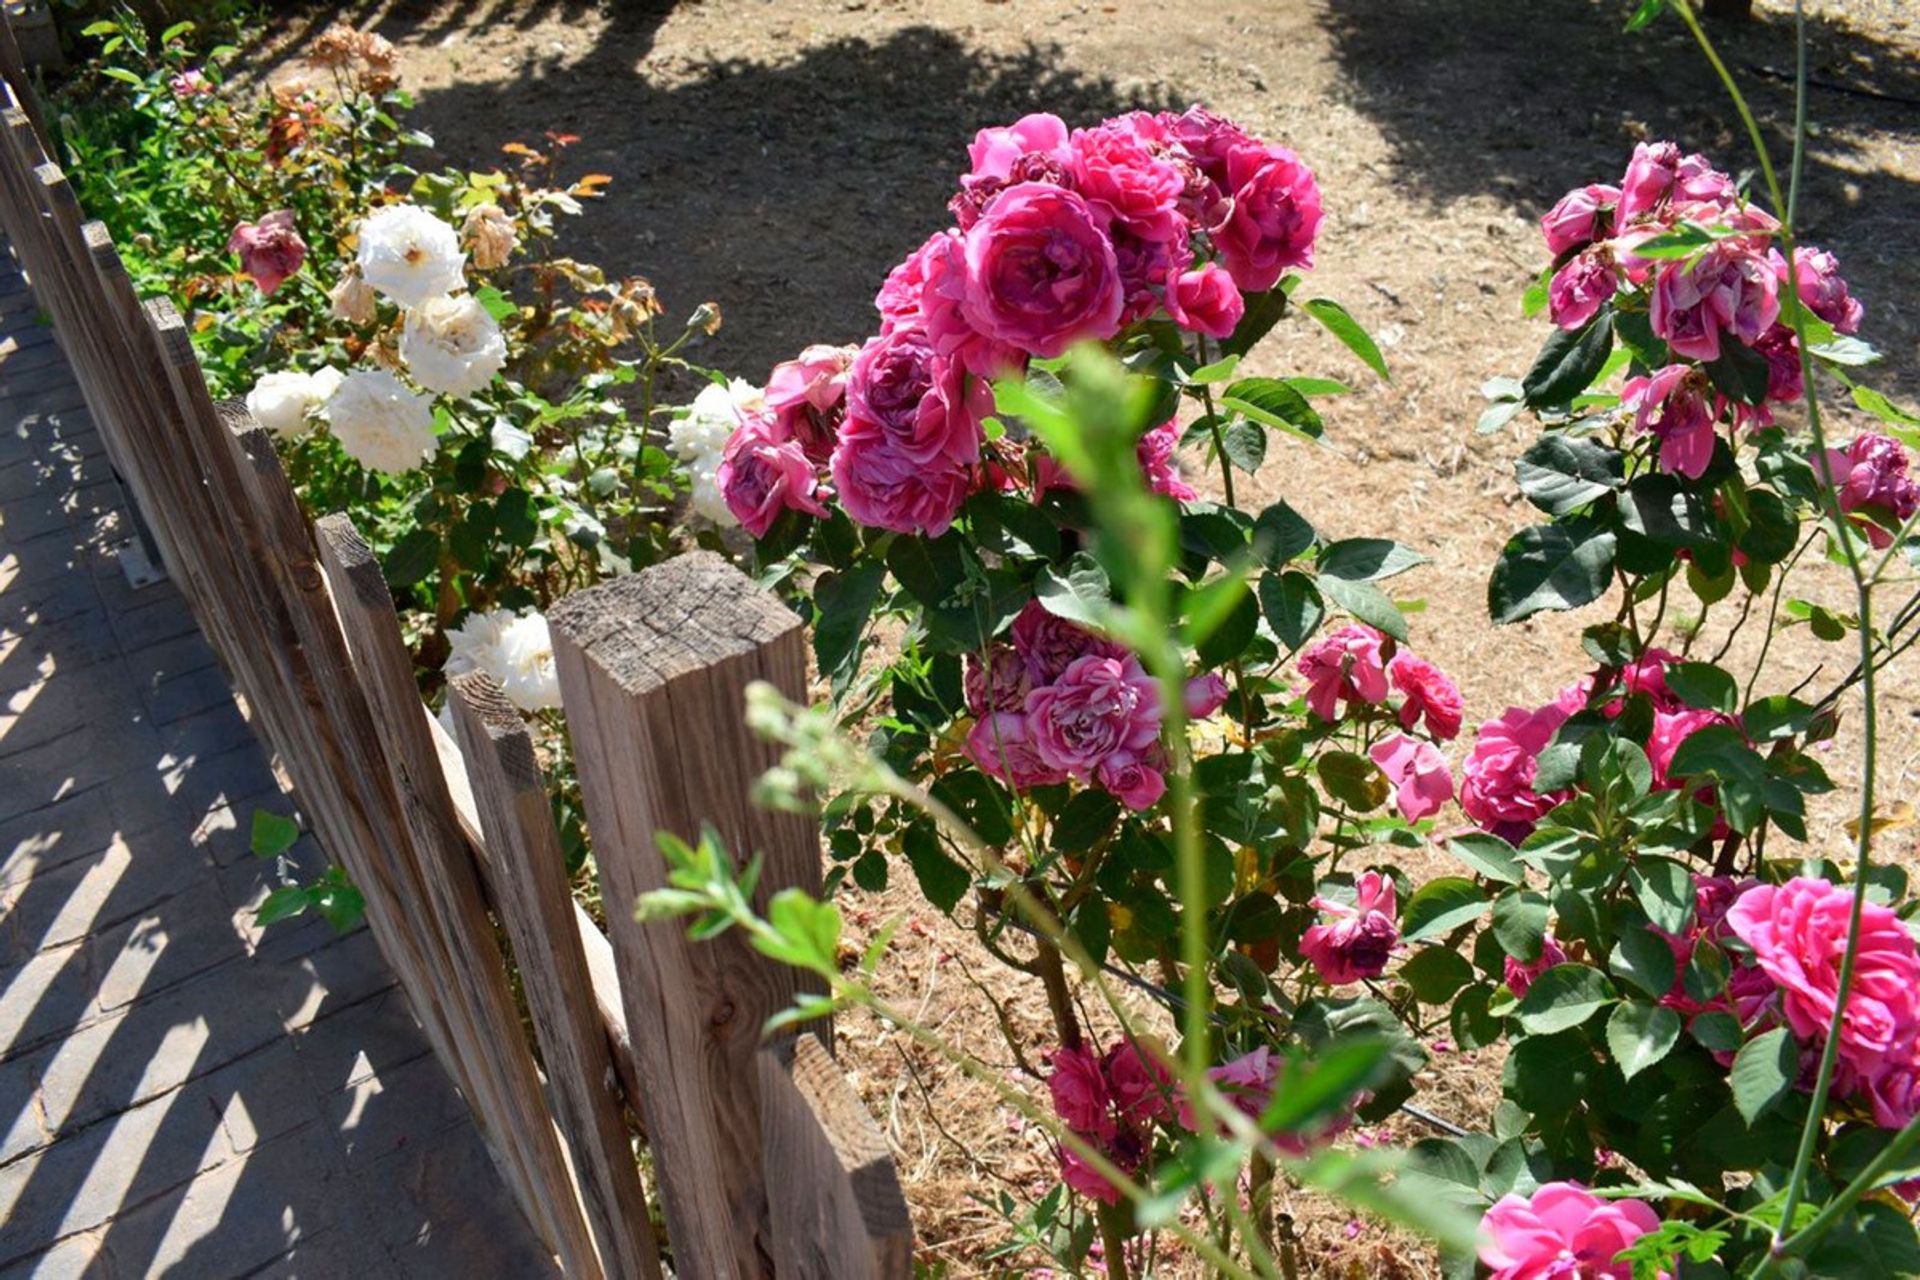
(653, 672)
(507, 1097)
(837, 1209)
(533, 897)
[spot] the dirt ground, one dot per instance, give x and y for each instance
(778, 158)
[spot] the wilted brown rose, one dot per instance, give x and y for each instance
(490, 237)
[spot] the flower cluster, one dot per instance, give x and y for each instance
(698, 436)
(1677, 241)
(1797, 932)
(516, 649)
(1357, 667)
(1055, 701)
(1110, 1101)
(1060, 236)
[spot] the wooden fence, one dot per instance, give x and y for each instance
(765, 1161)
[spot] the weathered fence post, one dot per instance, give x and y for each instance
(653, 669)
(532, 896)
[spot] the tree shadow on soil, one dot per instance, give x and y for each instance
(784, 191)
(1524, 100)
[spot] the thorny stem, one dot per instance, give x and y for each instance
(1785, 1238)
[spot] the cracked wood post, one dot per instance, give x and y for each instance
(653, 671)
(533, 897)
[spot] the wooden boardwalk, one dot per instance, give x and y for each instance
(182, 1093)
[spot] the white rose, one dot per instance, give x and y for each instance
(452, 345)
(410, 255)
(382, 424)
(703, 430)
(703, 492)
(353, 300)
(515, 649)
(326, 381)
(280, 402)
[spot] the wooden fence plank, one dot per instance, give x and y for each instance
(652, 672)
(533, 897)
(507, 1093)
(837, 1209)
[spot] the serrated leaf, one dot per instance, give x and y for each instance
(1554, 566)
(1368, 604)
(1643, 958)
(1763, 1073)
(1344, 327)
(1489, 855)
(1292, 606)
(1367, 559)
(1562, 998)
(1640, 1035)
(1568, 363)
(1281, 534)
(1440, 906)
(1561, 474)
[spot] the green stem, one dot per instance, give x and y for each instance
(1823, 1080)
(1869, 1180)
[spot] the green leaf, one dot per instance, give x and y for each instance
(339, 903)
(1646, 12)
(1778, 716)
(1263, 312)
(1367, 559)
(1520, 923)
(498, 304)
(283, 903)
(1368, 604)
(1344, 327)
(1440, 906)
(1704, 686)
(1281, 534)
(1741, 373)
(1763, 1073)
(1659, 507)
(1273, 403)
(845, 601)
(942, 879)
(1882, 408)
(1231, 621)
(1553, 566)
(1562, 998)
(931, 569)
(1244, 444)
(1568, 363)
(1561, 474)
(272, 834)
(1639, 1035)
(1292, 606)
(808, 932)
(1664, 889)
(1491, 856)
(413, 557)
(124, 76)
(1643, 958)
(1436, 973)
(1353, 780)
(1080, 595)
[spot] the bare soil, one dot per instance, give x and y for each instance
(777, 158)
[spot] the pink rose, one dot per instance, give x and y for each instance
(899, 299)
(1670, 729)
(1419, 774)
(1148, 270)
(1205, 695)
(1142, 1089)
(1822, 289)
(1580, 217)
(1430, 695)
(1496, 782)
(1274, 219)
(1784, 375)
(1082, 1177)
(807, 398)
(923, 404)
(1209, 141)
(1122, 178)
(1000, 746)
(1565, 1231)
(1678, 405)
(1100, 710)
(1894, 1095)
(883, 486)
(1157, 450)
(190, 83)
(1041, 273)
(1354, 942)
(1727, 287)
(1079, 1089)
(1050, 644)
(1519, 975)
(1580, 288)
(1135, 783)
(270, 250)
(1206, 300)
(1249, 1082)
(1000, 683)
(1649, 177)
(1798, 932)
(762, 475)
(1348, 666)
(1870, 476)
(994, 152)
(1647, 674)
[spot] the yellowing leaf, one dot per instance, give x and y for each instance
(1901, 815)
